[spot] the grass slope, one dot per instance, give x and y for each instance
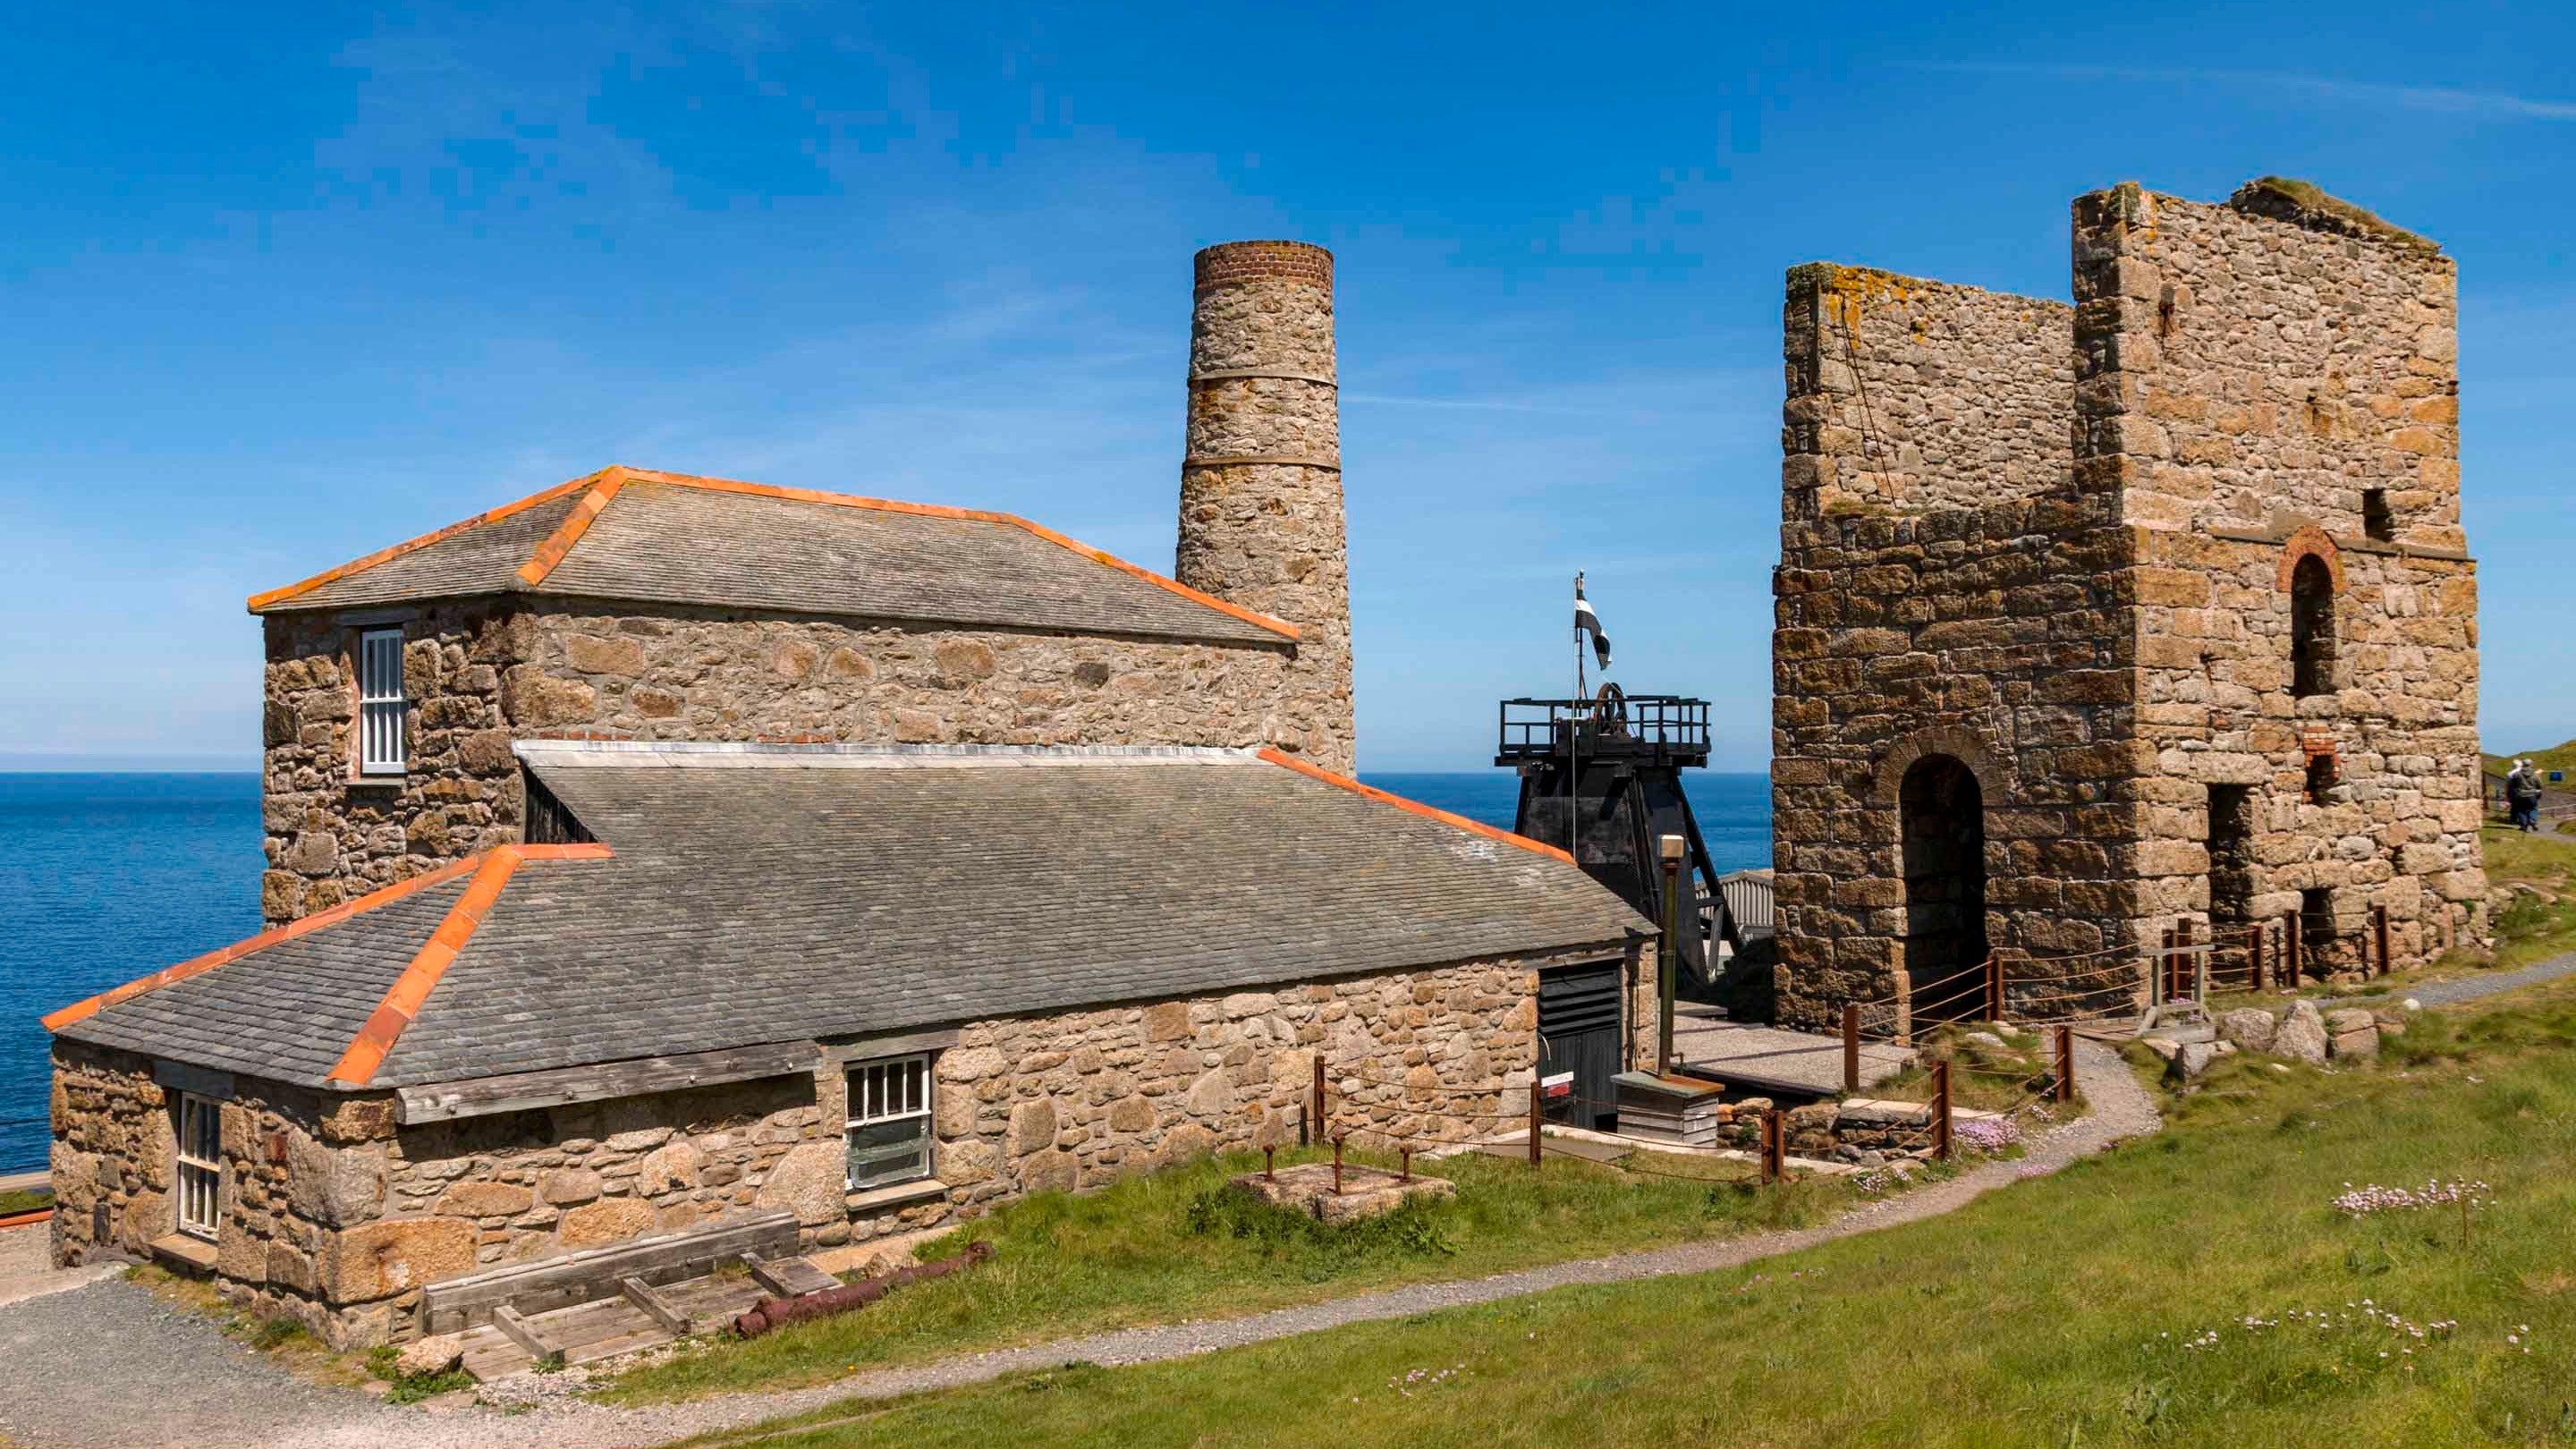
(2106, 1304)
(1171, 1246)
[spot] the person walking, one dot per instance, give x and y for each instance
(2522, 795)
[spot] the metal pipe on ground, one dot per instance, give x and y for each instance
(771, 1313)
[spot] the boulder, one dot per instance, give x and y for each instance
(2352, 1033)
(2190, 1059)
(2250, 1027)
(439, 1353)
(2302, 1036)
(2165, 1047)
(667, 1168)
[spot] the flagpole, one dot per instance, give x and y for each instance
(1574, 740)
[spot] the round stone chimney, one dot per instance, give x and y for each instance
(1261, 483)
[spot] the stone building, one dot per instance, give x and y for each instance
(2151, 609)
(661, 853)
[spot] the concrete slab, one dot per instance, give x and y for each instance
(1771, 1059)
(27, 1266)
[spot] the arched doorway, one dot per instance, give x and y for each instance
(1944, 815)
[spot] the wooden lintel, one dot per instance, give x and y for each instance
(604, 1081)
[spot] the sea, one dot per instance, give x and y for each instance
(107, 877)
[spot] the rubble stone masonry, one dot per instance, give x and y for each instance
(336, 1216)
(2058, 546)
(1261, 484)
(480, 675)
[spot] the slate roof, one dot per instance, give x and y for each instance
(666, 538)
(759, 894)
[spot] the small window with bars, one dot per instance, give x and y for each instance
(380, 703)
(201, 1165)
(889, 1129)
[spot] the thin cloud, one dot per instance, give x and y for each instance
(2500, 105)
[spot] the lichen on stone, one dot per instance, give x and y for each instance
(2304, 203)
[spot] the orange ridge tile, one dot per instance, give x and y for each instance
(197, 965)
(403, 1000)
(357, 565)
(551, 551)
(1428, 812)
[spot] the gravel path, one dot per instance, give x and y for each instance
(2470, 988)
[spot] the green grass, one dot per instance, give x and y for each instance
(2556, 757)
(2050, 1312)
(1983, 1076)
(1169, 1246)
(25, 1200)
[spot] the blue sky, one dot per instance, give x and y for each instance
(282, 289)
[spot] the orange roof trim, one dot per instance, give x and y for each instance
(360, 565)
(197, 965)
(403, 1000)
(551, 550)
(1279, 757)
(604, 485)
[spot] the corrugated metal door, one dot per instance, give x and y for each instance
(1578, 1033)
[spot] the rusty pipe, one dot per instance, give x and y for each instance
(771, 1313)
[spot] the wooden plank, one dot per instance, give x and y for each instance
(653, 1336)
(766, 1276)
(461, 1303)
(660, 1310)
(519, 1331)
(525, 1091)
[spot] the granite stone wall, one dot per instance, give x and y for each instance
(2109, 656)
(1909, 395)
(480, 676)
(336, 1216)
(1998, 636)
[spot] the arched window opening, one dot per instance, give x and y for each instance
(2312, 628)
(1944, 822)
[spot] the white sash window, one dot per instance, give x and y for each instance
(201, 1165)
(889, 1128)
(380, 703)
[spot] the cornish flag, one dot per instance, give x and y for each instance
(1590, 623)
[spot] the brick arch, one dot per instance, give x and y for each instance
(1963, 744)
(2310, 542)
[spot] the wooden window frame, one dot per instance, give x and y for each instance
(382, 713)
(197, 1177)
(889, 1091)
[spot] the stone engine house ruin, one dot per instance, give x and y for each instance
(2154, 608)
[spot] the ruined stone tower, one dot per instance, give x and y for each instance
(1261, 484)
(2154, 609)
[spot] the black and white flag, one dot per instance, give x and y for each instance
(1590, 623)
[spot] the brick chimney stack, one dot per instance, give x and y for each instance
(1261, 484)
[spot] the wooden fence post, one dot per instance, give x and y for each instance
(1772, 1148)
(2065, 1091)
(1535, 1095)
(1941, 1110)
(2254, 935)
(2379, 928)
(1851, 1046)
(2294, 952)
(1994, 988)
